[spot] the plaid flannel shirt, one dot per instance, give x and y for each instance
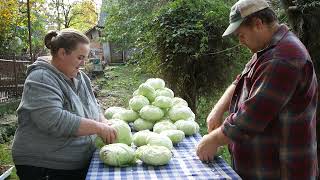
(272, 121)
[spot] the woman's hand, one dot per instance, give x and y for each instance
(107, 133)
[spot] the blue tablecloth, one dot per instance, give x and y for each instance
(183, 165)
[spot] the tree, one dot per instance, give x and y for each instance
(126, 20)
(81, 15)
(14, 22)
(9, 15)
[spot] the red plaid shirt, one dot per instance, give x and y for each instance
(272, 121)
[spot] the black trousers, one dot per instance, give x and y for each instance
(39, 173)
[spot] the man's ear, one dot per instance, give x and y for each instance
(258, 23)
(61, 53)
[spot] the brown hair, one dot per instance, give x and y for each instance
(67, 39)
(267, 16)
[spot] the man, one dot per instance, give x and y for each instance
(271, 128)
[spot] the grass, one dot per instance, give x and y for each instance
(7, 113)
(6, 159)
(118, 83)
(9, 107)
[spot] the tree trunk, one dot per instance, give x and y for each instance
(304, 19)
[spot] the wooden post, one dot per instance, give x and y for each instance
(15, 76)
(29, 30)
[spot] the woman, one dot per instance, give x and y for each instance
(58, 117)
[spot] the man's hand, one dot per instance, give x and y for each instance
(214, 120)
(207, 148)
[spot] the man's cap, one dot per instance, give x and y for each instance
(242, 9)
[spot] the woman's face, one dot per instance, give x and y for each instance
(72, 62)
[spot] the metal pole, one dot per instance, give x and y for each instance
(29, 30)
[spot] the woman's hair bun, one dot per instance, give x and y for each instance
(48, 38)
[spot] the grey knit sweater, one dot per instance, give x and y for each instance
(49, 116)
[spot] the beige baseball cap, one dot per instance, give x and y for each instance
(242, 9)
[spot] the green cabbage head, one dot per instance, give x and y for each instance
(163, 125)
(163, 102)
(188, 127)
(124, 134)
(112, 110)
(137, 102)
(117, 154)
(179, 101)
(159, 140)
(175, 136)
(181, 112)
(147, 91)
(140, 138)
(127, 115)
(141, 124)
(151, 113)
(156, 83)
(165, 92)
(154, 155)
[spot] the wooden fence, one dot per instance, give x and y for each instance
(12, 76)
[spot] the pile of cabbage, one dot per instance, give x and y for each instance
(160, 121)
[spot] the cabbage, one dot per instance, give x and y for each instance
(135, 93)
(140, 138)
(179, 101)
(163, 102)
(156, 83)
(159, 140)
(165, 119)
(112, 110)
(137, 102)
(138, 153)
(147, 91)
(117, 155)
(175, 136)
(124, 134)
(126, 115)
(151, 113)
(154, 155)
(188, 127)
(180, 112)
(141, 124)
(112, 121)
(165, 92)
(99, 142)
(163, 125)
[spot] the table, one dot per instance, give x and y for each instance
(183, 165)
